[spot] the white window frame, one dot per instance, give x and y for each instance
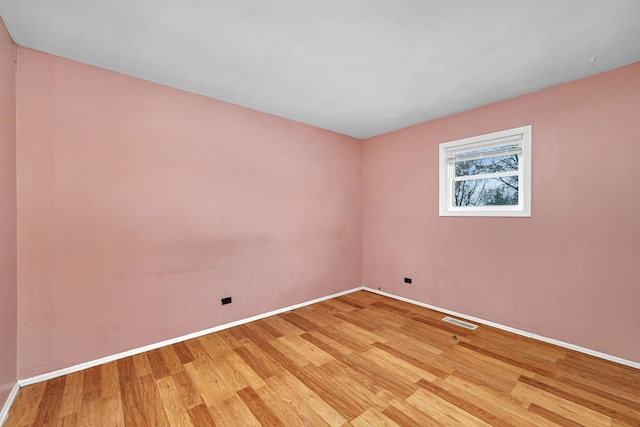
(447, 173)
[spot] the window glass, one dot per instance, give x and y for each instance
(487, 192)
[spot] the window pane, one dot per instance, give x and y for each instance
(505, 163)
(487, 192)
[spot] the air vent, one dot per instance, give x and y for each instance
(460, 323)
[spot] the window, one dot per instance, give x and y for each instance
(487, 175)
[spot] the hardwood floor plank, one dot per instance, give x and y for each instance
(299, 321)
(254, 333)
(400, 410)
(219, 368)
(386, 379)
(183, 353)
(391, 318)
(470, 357)
(560, 406)
(200, 416)
(373, 417)
(281, 407)
(140, 401)
(611, 410)
(308, 351)
(158, 365)
(236, 363)
(310, 314)
(211, 388)
(376, 319)
(442, 340)
(358, 333)
(610, 396)
(71, 421)
(259, 361)
(401, 418)
(151, 397)
(127, 377)
(110, 383)
(229, 411)
(307, 405)
(347, 299)
(89, 414)
(368, 388)
(623, 382)
(442, 410)
(335, 334)
(259, 408)
(326, 344)
(616, 423)
(284, 355)
(92, 384)
(405, 308)
(505, 407)
(391, 305)
(267, 328)
(621, 375)
(395, 338)
(324, 310)
(196, 349)
(142, 366)
(172, 403)
(171, 359)
(282, 326)
(465, 405)
(338, 305)
(349, 406)
(49, 408)
(187, 392)
(360, 359)
(215, 344)
(482, 372)
(232, 337)
(400, 368)
(529, 366)
(72, 395)
(366, 298)
(365, 324)
(552, 416)
(517, 343)
(422, 365)
(111, 412)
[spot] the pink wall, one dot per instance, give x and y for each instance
(7, 214)
(141, 206)
(569, 272)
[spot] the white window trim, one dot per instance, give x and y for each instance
(523, 209)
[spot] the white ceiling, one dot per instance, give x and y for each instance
(358, 67)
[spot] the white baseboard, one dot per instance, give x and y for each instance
(514, 330)
(7, 405)
(107, 359)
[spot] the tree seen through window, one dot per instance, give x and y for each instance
(471, 189)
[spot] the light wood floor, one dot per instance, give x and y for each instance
(357, 360)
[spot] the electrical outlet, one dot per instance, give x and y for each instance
(407, 280)
(226, 300)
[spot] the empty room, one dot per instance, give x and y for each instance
(330, 213)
